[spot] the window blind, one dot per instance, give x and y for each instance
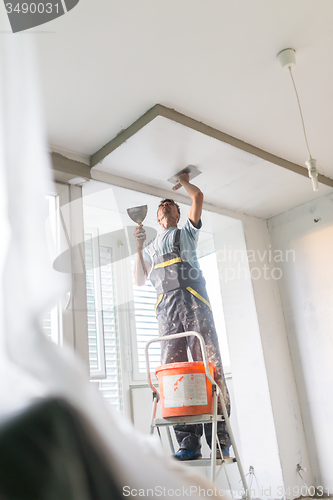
(146, 325)
(100, 302)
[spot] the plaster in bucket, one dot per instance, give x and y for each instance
(184, 389)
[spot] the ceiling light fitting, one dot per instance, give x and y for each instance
(77, 181)
(287, 60)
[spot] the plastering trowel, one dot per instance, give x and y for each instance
(138, 215)
(190, 169)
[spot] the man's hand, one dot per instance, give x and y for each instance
(183, 177)
(140, 236)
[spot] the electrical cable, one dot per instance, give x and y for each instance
(300, 111)
(252, 475)
(299, 468)
(251, 479)
(255, 477)
(230, 489)
(225, 470)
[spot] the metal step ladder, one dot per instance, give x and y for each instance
(197, 419)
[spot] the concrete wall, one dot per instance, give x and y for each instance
(306, 288)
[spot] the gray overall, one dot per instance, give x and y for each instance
(183, 305)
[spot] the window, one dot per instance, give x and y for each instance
(146, 326)
(95, 306)
(65, 323)
(208, 265)
(51, 322)
(65, 219)
(102, 324)
(121, 315)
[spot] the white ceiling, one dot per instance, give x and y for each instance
(106, 62)
(231, 177)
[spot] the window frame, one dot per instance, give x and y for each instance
(55, 312)
(72, 313)
(122, 312)
(100, 372)
(63, 331)
(124, 302)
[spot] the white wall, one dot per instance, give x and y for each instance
(258, 445)
(269, 415)
(307, 291)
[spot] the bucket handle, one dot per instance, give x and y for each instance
(177, 336)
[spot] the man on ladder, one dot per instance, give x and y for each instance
(182, 304)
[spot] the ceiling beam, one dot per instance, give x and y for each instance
(171, 114)
(124, 135)
(71, 167)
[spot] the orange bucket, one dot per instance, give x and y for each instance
(184, 389)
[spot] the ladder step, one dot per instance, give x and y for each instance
(206, 462)
(189, 419)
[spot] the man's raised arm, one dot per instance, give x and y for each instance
(141, 267)
(196, 196)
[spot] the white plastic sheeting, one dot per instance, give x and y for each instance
(32, 367)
